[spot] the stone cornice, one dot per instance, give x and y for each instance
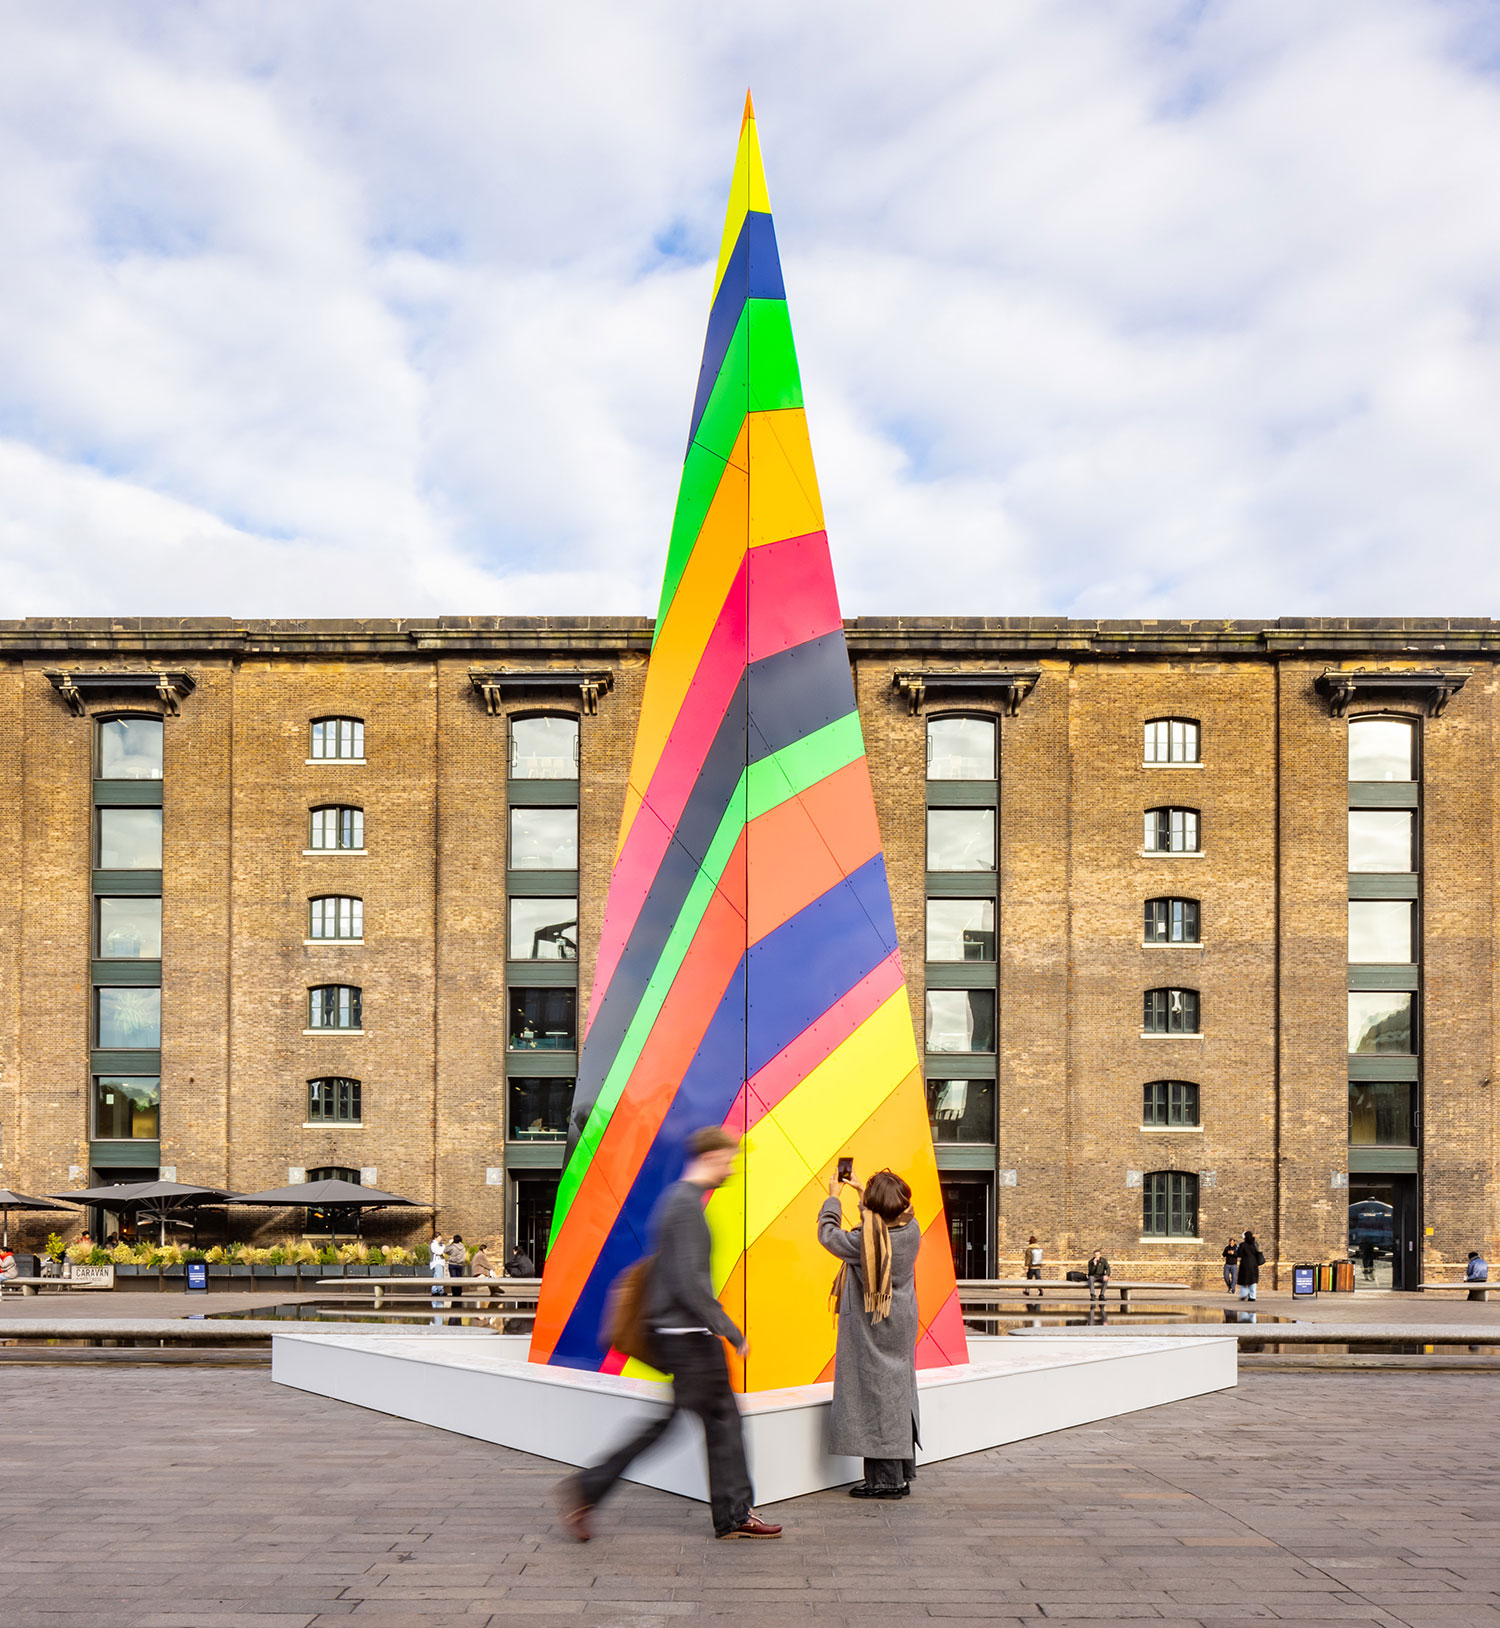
(157, 642)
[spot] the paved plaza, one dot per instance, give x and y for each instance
(204, 1499)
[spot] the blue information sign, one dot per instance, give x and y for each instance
(197, 1276)
(1304, 1280)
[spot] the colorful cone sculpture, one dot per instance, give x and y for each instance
(748, 973)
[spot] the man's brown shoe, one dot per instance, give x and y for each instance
(753, 1527)
(574, 1509)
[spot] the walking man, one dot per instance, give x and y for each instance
(688, 1328)
(1249, 1261)
(1033, 1265)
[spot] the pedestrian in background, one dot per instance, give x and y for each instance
(1248, 1262)
(874, 1414)
(437, 1262)
(1477, 1271)
(520, 1264)
(1033, 1264)
(458, 1258)
(1231, 1264)
(1097, 1272)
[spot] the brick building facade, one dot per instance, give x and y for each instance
(1133, 997)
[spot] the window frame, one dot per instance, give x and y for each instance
(354, 1004)
(347, 1094)
(99, 993)
(1191, 911)
(1155, 814)
(1168, 724)
(543, 809)
(1414, 727)
(314, 739)
(963, 717)
(1166, 991)
(1171, 1105)
(114, 811)
(354, 821)
(1166, 1195)
(530, 716)
(100, 719)
(357, 911)
(96, 1082)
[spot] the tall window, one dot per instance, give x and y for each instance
(960, 839)
(1172, 740)
(333, 1101)
(127, 1108)
(961, 749)
(539, 1109)
(128, 1019)
(544, 839)
(961, 1110)
(130, 749)
(544, 748)
(961, 1020)
(543, 929)
(960, 929)
(336, 916)
(1382, 1022)
(1170, 1103)
(1382, 1113)
(1382, 839)
(1381, 931)
(1172, 831)
(1382, 749)
(338, 738)
(129, 929)
(544, 1019)
(337, 826)
(1171, 1011)
(1169, 1206)
(129, 839)
(1172, 921)
(334, 1006)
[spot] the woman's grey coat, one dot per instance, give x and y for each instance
(875, 1368)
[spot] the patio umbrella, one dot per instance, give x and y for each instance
(320, 1195)
(159, 1199)
(22, 1201)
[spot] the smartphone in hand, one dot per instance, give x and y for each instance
(846, 1169)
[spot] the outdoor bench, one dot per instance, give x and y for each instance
(522, 1292)
(1456, 1288)
(978, 1294)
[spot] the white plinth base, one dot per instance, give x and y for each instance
(485, 1388)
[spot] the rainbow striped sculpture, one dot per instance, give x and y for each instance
(748, 972)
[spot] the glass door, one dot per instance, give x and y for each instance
(968, 1201)
(1383, 1234)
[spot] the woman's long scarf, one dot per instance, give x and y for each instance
(875, 1260)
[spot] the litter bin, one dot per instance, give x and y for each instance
(1343, 1277)
(1304, 1282)
(1325, 1279)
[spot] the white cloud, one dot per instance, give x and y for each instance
(362, 308)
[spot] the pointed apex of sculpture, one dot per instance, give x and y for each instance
(747, 191)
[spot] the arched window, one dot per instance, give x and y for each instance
(1171, 1011)
(1170, 1104)
(1169, 1207)
(337, 825)
(1172, 740)
(544, 747)
(336, 916)
(333, 1101)
(1382, 749)
(335, 1006)
(961, 748)
(130, 748)
(1172, 921)
(334, 738)
(1173, 831)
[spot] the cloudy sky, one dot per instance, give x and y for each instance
(1104, 307)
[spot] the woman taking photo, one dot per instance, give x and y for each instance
(875, 1366)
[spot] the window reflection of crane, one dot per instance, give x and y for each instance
(561, 937)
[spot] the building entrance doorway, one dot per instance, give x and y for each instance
(969, 1203)
(532, 1221)
(1384, 1243)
